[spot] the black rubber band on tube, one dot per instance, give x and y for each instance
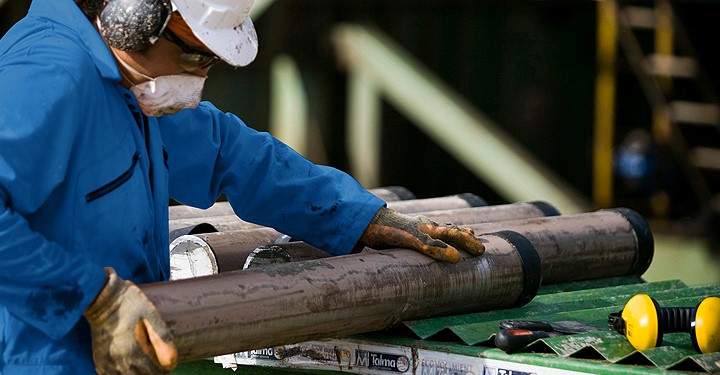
(473, 200)
(532, 267)
(546, 208)
(645, 241)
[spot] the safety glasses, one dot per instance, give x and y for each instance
(191, 59)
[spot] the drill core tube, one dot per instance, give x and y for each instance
(211, 253)
(491, 214)
(221, 217)
(223, 208)
(585, 246)
(338, 296)
(229, 250)
(388, 194)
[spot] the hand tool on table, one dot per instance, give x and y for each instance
(517, 334)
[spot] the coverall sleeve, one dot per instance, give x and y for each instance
(265, 181)
(41, 283)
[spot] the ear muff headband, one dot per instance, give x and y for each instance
(133, 25)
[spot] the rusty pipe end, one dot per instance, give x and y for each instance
(190, 257)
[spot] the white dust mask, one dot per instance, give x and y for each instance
(166, 94)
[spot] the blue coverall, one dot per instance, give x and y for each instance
(85, 180)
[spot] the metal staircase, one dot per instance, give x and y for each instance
(685, 107)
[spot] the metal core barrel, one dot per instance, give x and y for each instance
(221, 217)
(208, 224)
(300, 301)
(226, 251)
(210, 253)
(585, 246)
(283, 253)
(489, 214)
(223, 208)
(448, 202)
(388, 194)
(605, 243)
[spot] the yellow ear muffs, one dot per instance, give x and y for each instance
(705, 331)
(643, 323)
(642, 327)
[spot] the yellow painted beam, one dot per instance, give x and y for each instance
(605, 86)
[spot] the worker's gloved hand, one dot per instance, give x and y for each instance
(128, 334)
(390, 228)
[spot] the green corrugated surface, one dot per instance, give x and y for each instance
(604, 351)
(591, 306)
(582, 305)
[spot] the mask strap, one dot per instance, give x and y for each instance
(150, 81)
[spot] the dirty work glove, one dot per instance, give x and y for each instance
(390, 228)
(128, 334)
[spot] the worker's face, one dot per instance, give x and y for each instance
(170, 55)
(169, 75)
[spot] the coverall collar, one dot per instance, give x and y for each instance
(67, 13)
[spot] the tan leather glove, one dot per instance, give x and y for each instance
(128, 334)
(390, 228)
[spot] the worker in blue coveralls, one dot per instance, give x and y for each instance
(100, 125)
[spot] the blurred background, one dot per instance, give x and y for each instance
(583, 104)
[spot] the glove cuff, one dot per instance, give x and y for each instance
(107, 300)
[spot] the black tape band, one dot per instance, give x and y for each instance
(546, 208)
(532, 267)
(472, 199)
(645, 242)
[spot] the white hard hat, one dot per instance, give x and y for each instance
(223, 26)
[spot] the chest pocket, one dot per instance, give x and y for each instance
(115, 183)
(113, 218)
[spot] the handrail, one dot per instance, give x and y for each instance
(446, 117)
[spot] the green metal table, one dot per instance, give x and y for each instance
(464, 344)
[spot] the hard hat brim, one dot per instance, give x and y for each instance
(236, 45)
